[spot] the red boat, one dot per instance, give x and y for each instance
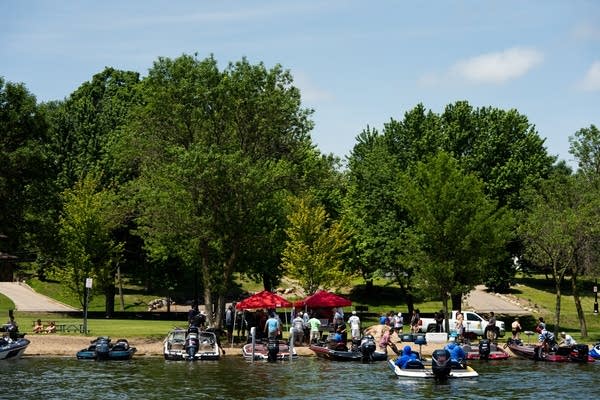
(537, 352)
(485, 351)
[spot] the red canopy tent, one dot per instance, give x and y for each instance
(323, 299)
(264, 299)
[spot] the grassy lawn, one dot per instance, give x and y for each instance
(382, 298)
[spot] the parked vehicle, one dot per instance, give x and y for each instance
(474, 324)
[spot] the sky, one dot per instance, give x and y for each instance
(358, 64)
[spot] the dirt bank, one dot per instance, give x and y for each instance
(67, 346)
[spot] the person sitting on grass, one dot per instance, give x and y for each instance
(38, 327)
(51, 328)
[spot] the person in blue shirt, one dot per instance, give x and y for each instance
(407, 355)
(272, 326)
(456, 352)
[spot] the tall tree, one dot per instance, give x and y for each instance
(315, 248)
(90, 216)
(460, 232)
(24, 167)
(554, 229)
(215, 150)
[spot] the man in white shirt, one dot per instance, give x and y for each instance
(354, 322)
(566, 339)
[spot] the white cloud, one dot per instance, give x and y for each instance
(310, 92)
(498, 67)
(591, 80)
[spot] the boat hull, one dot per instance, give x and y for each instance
(427, 372)
(174, 347)
(102, 350)
(496, 353)
(532, 352)
(345, 355)
(13, 349)
(261, 352)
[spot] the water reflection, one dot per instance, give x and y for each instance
(306, 378)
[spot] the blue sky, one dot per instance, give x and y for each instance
(357, 63)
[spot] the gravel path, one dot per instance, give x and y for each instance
(480, 300)
(26, 299)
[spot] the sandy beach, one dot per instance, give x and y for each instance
(68, 345)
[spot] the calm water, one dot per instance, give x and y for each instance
(306, 378)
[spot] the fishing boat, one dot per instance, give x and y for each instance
(485, 350)
(595, 351)
(268, 350)
(441, 368)
(191, 345)
(102, 348)
(362, 351)
(550, 352)
(12, 348)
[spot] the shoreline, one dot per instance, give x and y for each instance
(56, 345)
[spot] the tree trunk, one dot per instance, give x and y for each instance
(456, 301)
(208, 306)
(109, 303)
(578, 307)
(445, 307)
(120, 284)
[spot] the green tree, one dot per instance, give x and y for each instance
(90, 216)
(216, 151)
(315, 248)
(555, 228)
(459, 230)
(24, 168)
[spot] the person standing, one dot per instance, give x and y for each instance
(354, 322)
(298, 328)
(229, 323)
(398, 323)
(272, 326)
(305, 318)
(459, 326)
(516, 328)
(315, 326)
(415, 320)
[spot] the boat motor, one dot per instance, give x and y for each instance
(440, 364)
(579, 353)
(191, 342)
(102, 348)
(272, 349)
(484, 349)
(367, 348)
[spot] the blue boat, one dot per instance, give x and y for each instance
(102, 348)
(12, 348)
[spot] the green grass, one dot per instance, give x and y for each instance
(134, 297)
(383, 297)
(116, 328)
(6, 303)
(540, 293)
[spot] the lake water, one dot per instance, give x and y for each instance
(307, 378)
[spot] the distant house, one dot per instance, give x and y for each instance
(7, 267)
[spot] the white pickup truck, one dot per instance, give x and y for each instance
(473, 323)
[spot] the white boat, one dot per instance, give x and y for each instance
(179, 341)
(269, 351)
(12, 348)
(426, 372)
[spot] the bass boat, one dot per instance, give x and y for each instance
(102, 349)
(191, 345)
(361, 350)
(550, 351)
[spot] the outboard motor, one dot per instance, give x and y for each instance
(191, 342)
(579, 353)
(367, 348)
(102, 348)
(440, 364)
(272, 349)
(484, 349)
